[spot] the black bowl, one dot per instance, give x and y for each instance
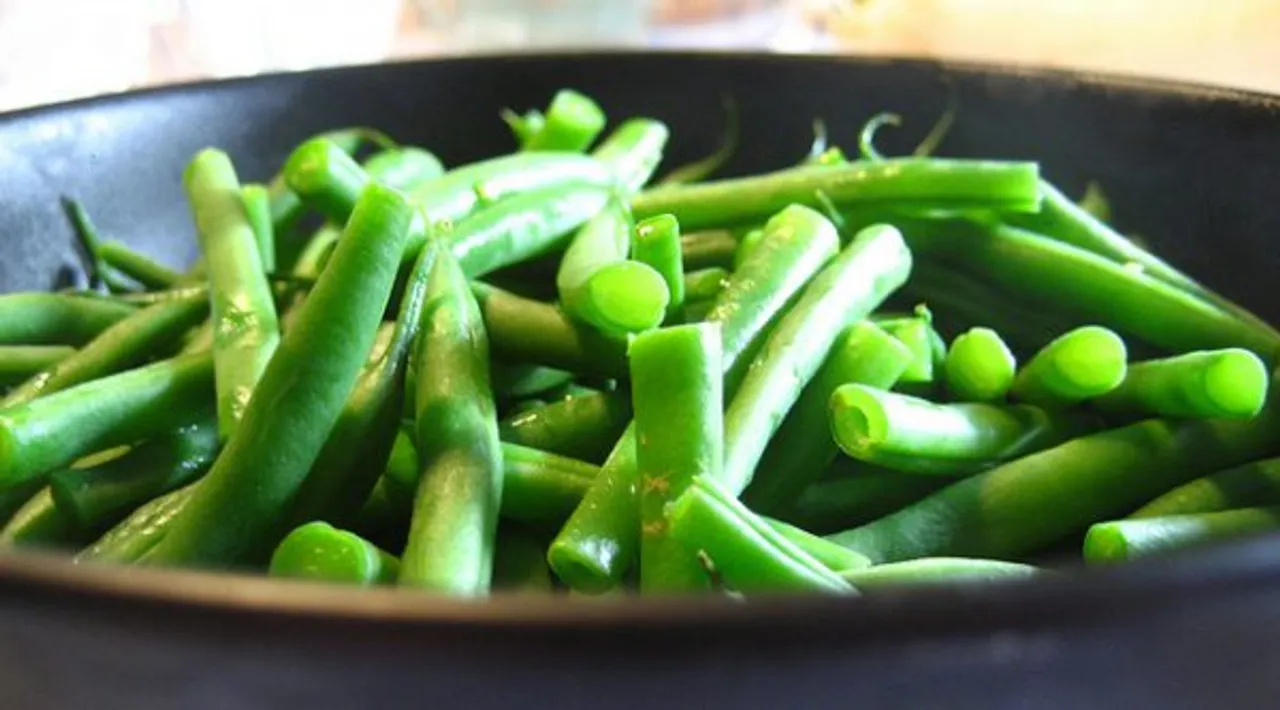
(1195, 171)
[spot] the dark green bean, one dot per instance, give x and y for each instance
(523, 330)
(838, 503)
(708, 248)
(52, 431)
(1253, 484)
(41, 523)
(56, 319)
(234, 513)
(582, 427)
(127, 343)
(20, 362)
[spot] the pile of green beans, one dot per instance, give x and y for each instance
(534, 374)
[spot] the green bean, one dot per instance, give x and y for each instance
(750, 557)
(677, 382)
(12, 498)
(319, 552)
(704, 285)
(523, 126)
(139, 267)
(600, 540)
(43, 434)
(915, 435)
(459, 192)
(1016, 508)
(1120, 540)
(524, 330)
(572, 122)
(234, 512)
(834, 557)
(708, 248)
(979, 367)
(746, 245)
(918, 335)
(1081, 284)
(581, 427)
(404, 167)
(455, 514)
(599, 286)
(178, 293)
(520, 563)
(803, 448)
(41, 523)
(56, 319)
(19, 362)
(700, 169)
(835, 504)
(133, 537)
(257, 208)
(1064, 220)
(1207, 383)
(123, 345)
(929, 571)
(1084, 363)
(874, 264)
(538, 487)
(361, 440)
(244, 314)
(1256, 483)
(966, 301)
(523, 227)
(954, 184)
(326, 178)
(657, 244)
(286, 207)
(518, 382)
(633, 152)
(100, 272)
(96, 497)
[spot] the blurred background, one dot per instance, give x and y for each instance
(52, 50)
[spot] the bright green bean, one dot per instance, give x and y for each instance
(749, 557)
(571, 122)
(1082, 364)
(874, 264)
(319, 552)
(979, 367)
(455, 513)
(657, 243)
(913, 435)
(257, 208)
(1014, 509)
(523, 227)
(803, 448)
(1120, 540)
(1206, 383)
(600, 540)
(953, 184)
(929, 571)
(835, 557)
(633, 151)
(246, 330)
(677, 381)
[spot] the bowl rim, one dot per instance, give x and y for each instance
(1140, 588)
